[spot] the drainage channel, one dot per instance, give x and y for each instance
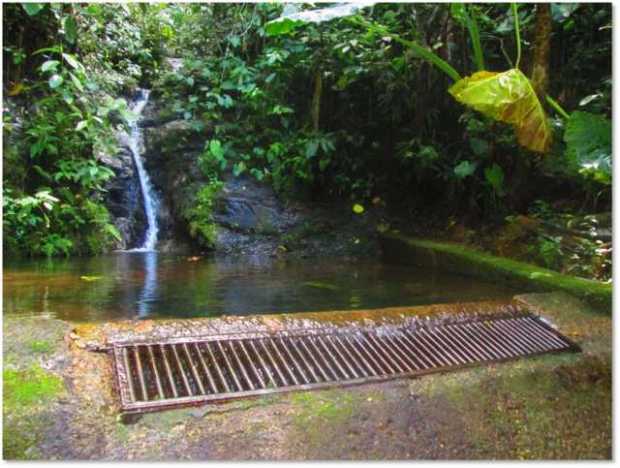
(186, 371)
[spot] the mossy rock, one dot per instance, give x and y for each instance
(459, 259)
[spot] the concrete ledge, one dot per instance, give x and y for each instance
(457, 258)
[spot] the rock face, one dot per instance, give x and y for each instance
(124, 198)
(171, 155)
(249, 217)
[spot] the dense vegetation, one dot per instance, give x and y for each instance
(361, 107)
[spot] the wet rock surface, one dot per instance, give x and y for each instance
(123, 197)
(251, 219)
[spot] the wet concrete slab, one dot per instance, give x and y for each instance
(100, 335)
(540, 408)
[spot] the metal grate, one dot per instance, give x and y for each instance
(183, 371)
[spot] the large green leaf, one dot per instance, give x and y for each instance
(588, 145)
(33, 8)
(69, 26)
(291, 20)
(508, 97)
(460, 14)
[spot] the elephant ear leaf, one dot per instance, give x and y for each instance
(508, 97)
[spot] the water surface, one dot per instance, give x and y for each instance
(153, 285)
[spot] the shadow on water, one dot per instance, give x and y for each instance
(138, 284)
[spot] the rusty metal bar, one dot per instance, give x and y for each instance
(205, 368)
(372, 346)
(363, 347)
(218, 368)
(348, 360)
(194, 369)
(499, 347)
(299, 367)
(132, 391)
(319, 358)
(516, 330)
(534, 343)
(264, 364)
(175, 353)
(160, 389)
(547, 338)
(434, 351)
(398, 348)
(229, 367)
(507, 344)
(330, 356)
(421, 355)
(390, 352)
(315, 360)
(459, 349)
(518, 339)
(169, 371)
(256, 371)
(445, 347)
(483, 355)
(136, 353)
(275, 363)
(473, 330)
(363, 360)
(484, 342)
(231, 345)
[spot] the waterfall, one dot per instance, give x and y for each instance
(151, 202)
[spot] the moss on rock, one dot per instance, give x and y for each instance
(26, 396)
(464, 260)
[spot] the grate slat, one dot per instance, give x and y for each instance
(229, 366)
(362, 359)
(373, 347)
(350, 359)
(160, 389)
(136, 354)
(293, 360)
(218, 368)
(275, 364)
(181, 368)
(196, 370)
(205, 368)
(175, 392)
(324, 344)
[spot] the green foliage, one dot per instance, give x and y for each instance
(462, 15)
(322, 102)
(588, 145)
(33, 8)
(199, 214)
(464, 169)
(85, 56)
(495, 177)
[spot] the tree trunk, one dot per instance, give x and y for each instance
(542, 46)
(316, 100)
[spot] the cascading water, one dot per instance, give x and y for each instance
(151, 202)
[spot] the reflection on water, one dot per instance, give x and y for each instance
(149, 289)
(155, 285)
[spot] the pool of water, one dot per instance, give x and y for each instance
(151, 285)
